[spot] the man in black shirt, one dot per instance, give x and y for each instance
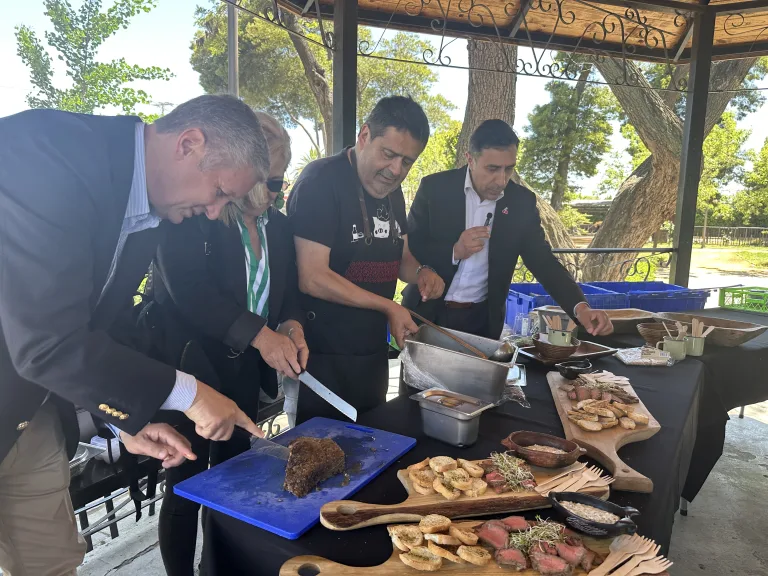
(348, 217)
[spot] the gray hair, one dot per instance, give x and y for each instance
(232, 131)
(279, 144)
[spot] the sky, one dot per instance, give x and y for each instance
(162, 38)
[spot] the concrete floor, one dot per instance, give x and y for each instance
(724, 532)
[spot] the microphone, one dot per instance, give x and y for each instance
(488, 219)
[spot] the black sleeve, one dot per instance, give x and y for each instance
(438, 255)
(52, 200)
(546, 268)
(182, 267)
(313, 209)
(291, 308)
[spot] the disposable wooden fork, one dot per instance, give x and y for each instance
(589, 475)
(566, 486)
(603, 481)
(653, 566)
(636, 559)
(541, 488)
(621, 549)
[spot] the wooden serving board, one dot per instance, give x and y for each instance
(350, 515)
(603, 446)
(394, 567)
(727, 333)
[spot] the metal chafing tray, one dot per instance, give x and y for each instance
(450, 417)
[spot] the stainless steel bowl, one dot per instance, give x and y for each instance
(450, 417)
(81, 458)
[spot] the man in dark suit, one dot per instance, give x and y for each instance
(81, 198)
(450, 225)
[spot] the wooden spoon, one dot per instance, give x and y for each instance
(633, 562)
(445, 332)
(653, 566)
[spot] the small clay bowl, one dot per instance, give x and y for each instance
(596, 529)
(552, 352)
(517, 442)
(572, 370)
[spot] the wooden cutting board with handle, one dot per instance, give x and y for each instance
(394, 567)
(350, 515)
(604, 445)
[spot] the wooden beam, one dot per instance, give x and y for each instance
(680, 48)
(519, 18)
(693, 142)
(669, 6)
(742, 7)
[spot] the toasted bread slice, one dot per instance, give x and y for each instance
(626, 408)
(423, 490)
(420, 558)
(442, 539)
(587, 425)
(474, 555)
(606, 420)
(443, 553)
(638, 418)
(405, 536)
(580, 405)
(442, 464)
(447, 492)
(459, 479)
(472, 469)
(582, 416)
(434, 523)
(477, 488)
(419, 465)
(627, 423)
(609, 424)
(616, 412)
(423, 478)
(599, 411)
(463, 535)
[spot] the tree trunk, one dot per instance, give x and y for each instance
(560, 183)
(315, 73)
(648, 197)
(704, 230)
(490, 94)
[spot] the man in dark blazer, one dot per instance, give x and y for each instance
(81, 198)
(471, 225)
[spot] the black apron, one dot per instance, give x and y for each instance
(348, 346)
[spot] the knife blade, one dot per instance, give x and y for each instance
(333, 399)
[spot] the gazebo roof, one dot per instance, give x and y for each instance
(653, 30)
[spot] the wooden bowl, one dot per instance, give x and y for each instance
(653, 332)
(553, 352)
(728, 333)
(517, 442)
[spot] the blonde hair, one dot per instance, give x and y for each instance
(279, 145)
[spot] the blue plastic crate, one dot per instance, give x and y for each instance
(658, 296)
(525, 297)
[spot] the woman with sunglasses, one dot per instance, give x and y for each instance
(230, 288)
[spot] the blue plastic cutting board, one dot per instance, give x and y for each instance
(249, 487)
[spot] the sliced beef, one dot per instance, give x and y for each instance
(583, 393)
(496, 482)
(545, 547)
(310, 461)
(588, 560)
(512, 558)
(571, 538)
(548, 565)
(515, 523)
(595, 394)
(487, 465)
(598, 559)
(529, 484)
(494, 533)
(571, 554)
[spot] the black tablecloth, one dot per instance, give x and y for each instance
(733, 377)
(671, 395)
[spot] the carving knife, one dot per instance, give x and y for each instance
(333, 399)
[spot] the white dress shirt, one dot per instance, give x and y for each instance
(470, 283)
(139, 217)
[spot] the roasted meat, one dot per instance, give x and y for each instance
(310, 461)
(548, 565)
(571, 554)
(515, 523)
(494, 533)
(512, 558)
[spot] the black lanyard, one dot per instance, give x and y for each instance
(364, 209)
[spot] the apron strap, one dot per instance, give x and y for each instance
(361, 196)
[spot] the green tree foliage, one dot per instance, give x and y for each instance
(272, 77)
(635, 147)
(76, 38)
(751, 204)
(616, 171)
(439, 155)
(567, 122)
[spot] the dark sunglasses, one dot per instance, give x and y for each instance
(276, 185)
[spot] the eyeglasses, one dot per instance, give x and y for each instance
(277, 185)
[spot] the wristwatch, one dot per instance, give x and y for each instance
(427, 266)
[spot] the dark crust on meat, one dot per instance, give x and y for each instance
(310, 461)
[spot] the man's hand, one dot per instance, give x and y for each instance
(431, 286)
(278, 351)
(400, 323)
(596, 322)
(471, 242)
(297, 337)
(215, 416)
(159, 441)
